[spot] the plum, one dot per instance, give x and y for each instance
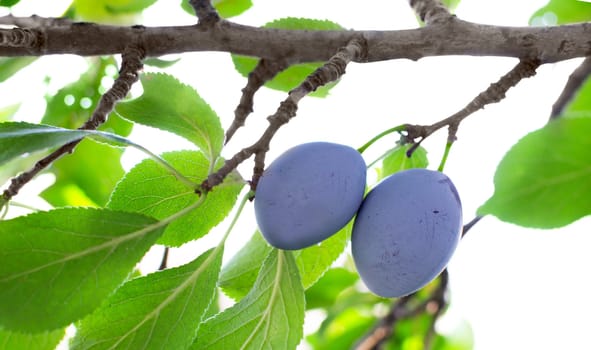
(309, 193)
(406, 230)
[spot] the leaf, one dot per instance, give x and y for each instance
(346, 329)
(110, 11)
(17, 138)
(8, 3)
(240, 273)
(7, 112)
(58, 266)
(151, 190)
(451, 4)
(127, 6)
(558, 12)
(180, 110)
(398, 160)
(580, 105)
(225, 8)
(324, 293)
(26, 341)
(271, 315)
(160, 63)
(11, 65)
(158, 311)
(296, 74)
(86, 177)
(543, 181)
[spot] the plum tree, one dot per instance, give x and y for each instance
(309, 193)
(406, 230)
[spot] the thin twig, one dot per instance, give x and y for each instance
(430, 11)
(264, 71)
(573, 84)
(206, 13)
(164, 261)
(471, 224)
(330, 71)
(128, 75)
(494, 93)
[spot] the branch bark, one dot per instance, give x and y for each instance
(449, 37)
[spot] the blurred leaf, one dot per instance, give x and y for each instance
(7, 112)
(11, 65)
(580, 105)
(296, 74)
(543, 181)
(460, 337)
(344, 331)
(180, 110)
(151, 190)
(110, 11)
(558, 12)
(271, 315)
(17, 138)
(325, 292)
(86, 177)
(398, 160)
(8, 3)
(70, 256)
(160, 63)
(225, 8)
(451, 4)
(159, 311)
(240, 273)
(26, 341)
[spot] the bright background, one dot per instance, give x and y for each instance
(518, 288)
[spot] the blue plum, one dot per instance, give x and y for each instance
(309, 193)
(406, 231)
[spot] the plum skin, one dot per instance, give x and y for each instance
(309, 193)
(405, 232)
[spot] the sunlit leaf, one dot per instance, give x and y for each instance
(58, 266)
(159, 311)
(543, 181)
(30, 341)
(180, 110)
(225, 8)
(151, 190)
(398, 160)
(561, 12)
(324, 293)
(271, 316)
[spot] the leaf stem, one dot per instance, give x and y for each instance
(399, 128)
(445, 155)
(245, 198)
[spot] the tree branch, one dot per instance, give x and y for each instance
(430, 11)
(330, 71)
(548, 44)
(574, 83)
(264, 71)
(128, 75)
(205, 12)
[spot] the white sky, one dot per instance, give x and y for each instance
(518, 288)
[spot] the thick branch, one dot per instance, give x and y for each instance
(452, 37)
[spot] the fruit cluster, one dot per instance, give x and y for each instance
(406, 228)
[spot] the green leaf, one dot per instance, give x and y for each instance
(27, 341)
(225, 8)
(543, 181)
(18, 138)
(347, 328)
(398, 160)
(325, 292)
(111, 11)
(580, 105)
(158, 311)
(451, 4)
(296, 74)
(240, 273)
(86, 177)
(151, 190)
(160, 63)
(7, 112)
(8, 3)
(11, 65)
(271, 316)
(180, 110)
(558, 12)
(58, 266)
(127, 6)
